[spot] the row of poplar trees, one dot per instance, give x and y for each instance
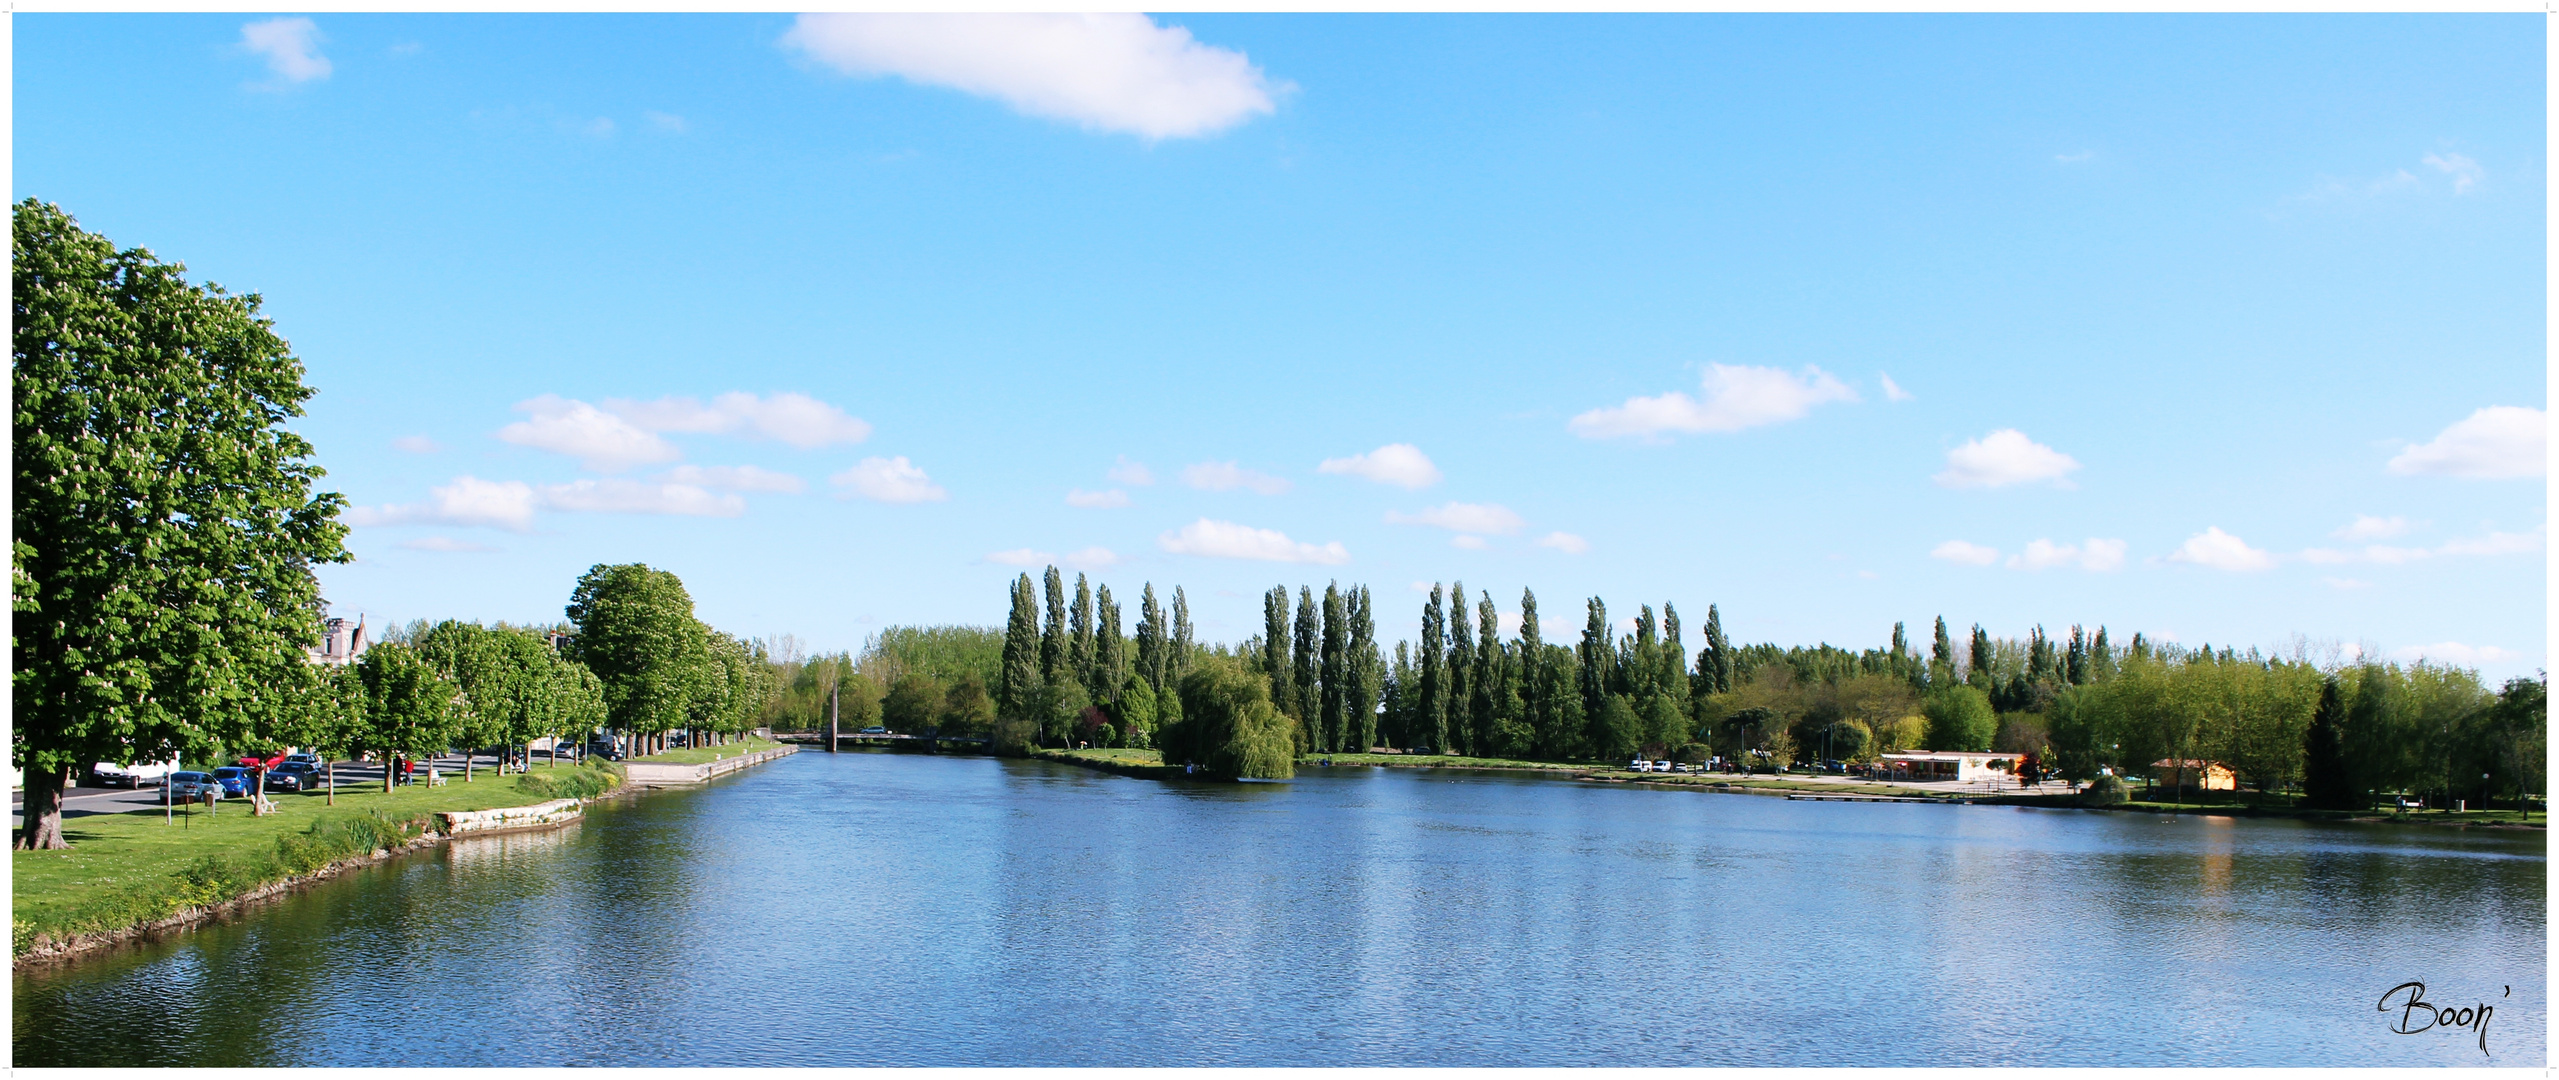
(1069, 675)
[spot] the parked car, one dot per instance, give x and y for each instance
(293, 776)
(235, 781)
(110, 774)
(874, 729)
(189, 787)
(312, 760)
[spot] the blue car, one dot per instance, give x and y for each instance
(236, 781)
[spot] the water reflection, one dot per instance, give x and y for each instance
(877, 910)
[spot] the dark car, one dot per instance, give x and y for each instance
(235, 781)
(293, 776)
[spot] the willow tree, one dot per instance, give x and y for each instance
(164, 522)
(1231, 730)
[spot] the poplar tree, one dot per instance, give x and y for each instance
(1307, 654)
(1485, 684)
(1368, 674)
(1980, 676)
(2101, 659)
(1716, 661)
(1179, 663)
(1533, 693)
(1017, 689)
(1150, 639)
(1942, 655)
(1598, 662)
(1673, 676)
(1053, 631)
(1335, 676)
(1110, 656)
(1432, 702)
(1396, 725)
(2075, 666)
(1900, 644)
(1461, 671)
(1275, 639)
(1079, 641)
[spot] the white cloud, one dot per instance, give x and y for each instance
(1400, 464)
(1097, 500)
(2346, 583)
(1228, 540)
(1227, 476)
(442, 543)
(2496, 442)
(1965, 552)
(2456, 654)
(1470, 543)
(1110, 72)
(416, 444)
(2095, 555)
(1734, 398)
(2221, 551)
(1463, 517)
(735, 478)
(291, 48)
(2465, 173)
(1021, 557)
(1092, 558)
(598, 439)
(2005, 457)
(2498, 543)
(1892, 390)
(666, 122)
(795, 419)
(1134, 474)
(468, 500)
(1564, 542)
(2367, 527)
(615, 496)
(893, 480)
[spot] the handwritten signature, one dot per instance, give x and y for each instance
(2438, 1017)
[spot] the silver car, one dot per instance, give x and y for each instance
(190, 787)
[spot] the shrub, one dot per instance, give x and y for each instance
(2105, 791)
(585, 782)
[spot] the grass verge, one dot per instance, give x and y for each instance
(124, 870)
(703, 755)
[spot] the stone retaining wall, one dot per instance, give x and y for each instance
(663, 774)
(511, 818)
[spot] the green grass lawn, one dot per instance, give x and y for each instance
(124, 869)
(703, 755)
(1124, 757)
(1442, 761)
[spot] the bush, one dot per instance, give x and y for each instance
(1692, 754)
(584, 782)
(1959, 718)
(2106, 791)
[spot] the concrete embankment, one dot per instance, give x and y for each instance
(666, 774)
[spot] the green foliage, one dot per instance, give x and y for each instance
(410, 709)
(637, 632)
(163, 522)
(944, 653)
(578, 783)
(913, 705)
(1232, 728)
(1959, 718)
(967, 709)
(2106, 790)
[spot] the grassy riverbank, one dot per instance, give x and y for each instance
(124, 870)
(2285, 807)
(704, 755)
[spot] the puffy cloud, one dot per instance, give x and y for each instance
(2465, 173)
(1892, 390)
(1108, 72)
(2497, 442)
(291, 47)
(735, 478)
(794, 419)
(1097, 500)
(1734, 398)
(891, 480)
(2456, 654)
(599, 440)
(1400, 464)
(1132, 473)
(1227, 476)
(2221, 551)
(1564, 542)
(1463, 517)
(1469, 542)
(2005, 457)
(2096, 555)
(616, 496)
(2494, 543)
(1228, 540)
(442, 543)
(1965, 552)
(468, 500)
(416, 444)
(2498, 543)
(2367, 527)
(1092, 558)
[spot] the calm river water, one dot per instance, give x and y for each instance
(870, 909)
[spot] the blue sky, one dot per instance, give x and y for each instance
(2225, 329)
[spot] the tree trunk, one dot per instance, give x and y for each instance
(332, 768)
(469, 758)
(390, 772)
(42, 829)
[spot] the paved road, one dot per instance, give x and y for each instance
(80, 802)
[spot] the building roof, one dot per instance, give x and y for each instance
(1946, 755)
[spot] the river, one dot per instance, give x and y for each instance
(878, 909)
